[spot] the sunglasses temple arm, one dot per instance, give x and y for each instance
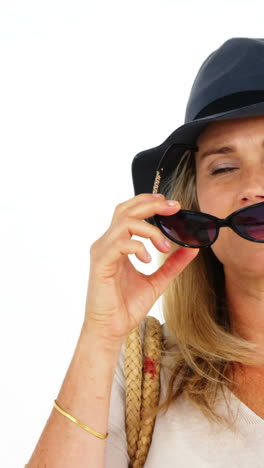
(163, 160)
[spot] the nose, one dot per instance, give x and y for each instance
(251, 197)
(252, 187)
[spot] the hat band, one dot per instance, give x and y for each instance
(231, 102)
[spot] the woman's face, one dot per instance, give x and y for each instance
(239, 146)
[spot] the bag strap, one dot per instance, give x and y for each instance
(142, 376)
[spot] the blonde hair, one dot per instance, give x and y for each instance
(203, 346)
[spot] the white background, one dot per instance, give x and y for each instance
(84, 87)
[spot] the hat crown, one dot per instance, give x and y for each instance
(231, 76)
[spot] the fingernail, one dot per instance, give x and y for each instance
(167, 243)
(172, 202)
(148, 257)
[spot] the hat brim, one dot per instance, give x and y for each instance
(145, 163)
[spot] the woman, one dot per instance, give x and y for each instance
(211, 278)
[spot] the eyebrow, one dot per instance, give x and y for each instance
(221, 150)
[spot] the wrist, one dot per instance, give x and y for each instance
(89, 333)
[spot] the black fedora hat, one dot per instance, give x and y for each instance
(228, 85)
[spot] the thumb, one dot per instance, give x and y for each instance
(171, 268)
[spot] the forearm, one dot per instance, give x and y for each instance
(85, 394)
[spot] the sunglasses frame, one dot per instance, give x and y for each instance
(219, 222)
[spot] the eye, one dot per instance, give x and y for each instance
(223, 169)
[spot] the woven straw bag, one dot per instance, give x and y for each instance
(142, 375)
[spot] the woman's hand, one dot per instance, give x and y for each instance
(119, 297)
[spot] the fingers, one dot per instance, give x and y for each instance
(110, 251)
(133, 247)
(132, 226)
(171, 268)
(142, 207)
(128, 220)
(142, 197)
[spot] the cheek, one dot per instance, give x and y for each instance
(208, 195)
(212, 202)
(229, 248)
(213, 198)
(239, 255)
(232, 251)
(224, 245)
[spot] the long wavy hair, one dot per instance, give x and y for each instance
(203, 346)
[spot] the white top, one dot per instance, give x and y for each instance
(184, 437)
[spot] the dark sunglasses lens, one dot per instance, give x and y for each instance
(251, 222)
(193, 229)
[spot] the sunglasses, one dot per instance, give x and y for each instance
(197, 229)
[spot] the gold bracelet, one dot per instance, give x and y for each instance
(79, 423)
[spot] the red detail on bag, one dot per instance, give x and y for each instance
(150, 367)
